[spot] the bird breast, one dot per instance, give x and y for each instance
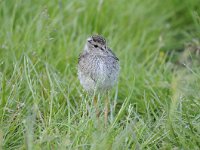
(100, 72)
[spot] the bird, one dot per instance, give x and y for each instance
(98, 69)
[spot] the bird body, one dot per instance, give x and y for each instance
(98, 67)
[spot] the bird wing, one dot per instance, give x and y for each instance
(113, 55)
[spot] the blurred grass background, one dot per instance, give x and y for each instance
(156, 104)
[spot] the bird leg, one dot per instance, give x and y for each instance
(96, 106)
(106, 109)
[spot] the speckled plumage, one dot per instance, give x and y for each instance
(98, 67)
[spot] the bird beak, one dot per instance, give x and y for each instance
(89, 40)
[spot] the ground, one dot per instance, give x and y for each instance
(156, 104)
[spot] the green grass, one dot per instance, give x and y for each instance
(156, 104)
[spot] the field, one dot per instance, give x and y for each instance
(156, 104)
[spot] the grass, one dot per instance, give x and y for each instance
(156, 104)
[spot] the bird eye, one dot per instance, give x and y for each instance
(95, 46)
